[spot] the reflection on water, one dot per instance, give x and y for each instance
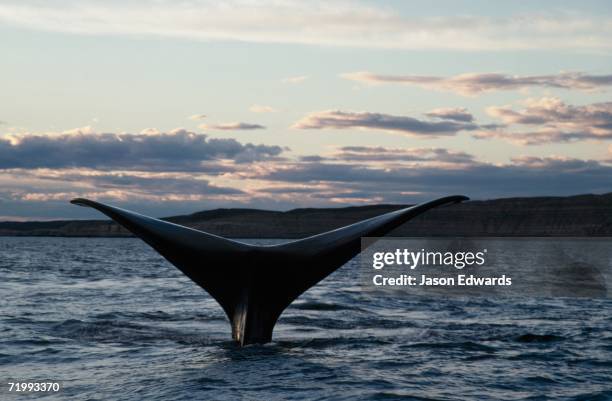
(113, 320)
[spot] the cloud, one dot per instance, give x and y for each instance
(346, 23)
(136, 184)
(554, 121)
(313, 158)
(348, 175)
(525, 176)
(554, 162)
(50, 189)
(379, 153)
(336, 119)
(284, 190)
(553, 110)
(474, 83)
(122, 187)
(456, 114)
(257, 108)
(294, 80)
(197, 117)
(540, 137)
(178, 150)
(232, 127)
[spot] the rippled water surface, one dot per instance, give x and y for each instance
(112, 320)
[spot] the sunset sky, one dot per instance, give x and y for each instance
(170, 107)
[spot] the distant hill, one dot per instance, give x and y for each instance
(581, 215)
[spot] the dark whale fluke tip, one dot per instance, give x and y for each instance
(81, 202)
(460, 198)
(254, 284)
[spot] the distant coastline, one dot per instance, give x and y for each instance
(581, 215)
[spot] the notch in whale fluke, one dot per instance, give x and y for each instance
(254, 284)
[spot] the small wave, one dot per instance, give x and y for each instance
(546, 356)
(332, 342)
(541, 380)
(590, 362)
(37, 341)
(319, 322)
(596, 396)
(391, 364)
(210, 381)
(538, 338)
(322, 306)
(464, 345)
(155, 316)
(158, 316)
(46, 351)
(346, 322)
(107, 331)
(17, 320)
(386, 395)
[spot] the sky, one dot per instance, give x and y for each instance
(170, 107)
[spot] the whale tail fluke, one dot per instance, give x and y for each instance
(254, 284)
(193, 252)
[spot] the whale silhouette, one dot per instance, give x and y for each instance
(254, 284)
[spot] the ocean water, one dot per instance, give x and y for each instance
(110, 319)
